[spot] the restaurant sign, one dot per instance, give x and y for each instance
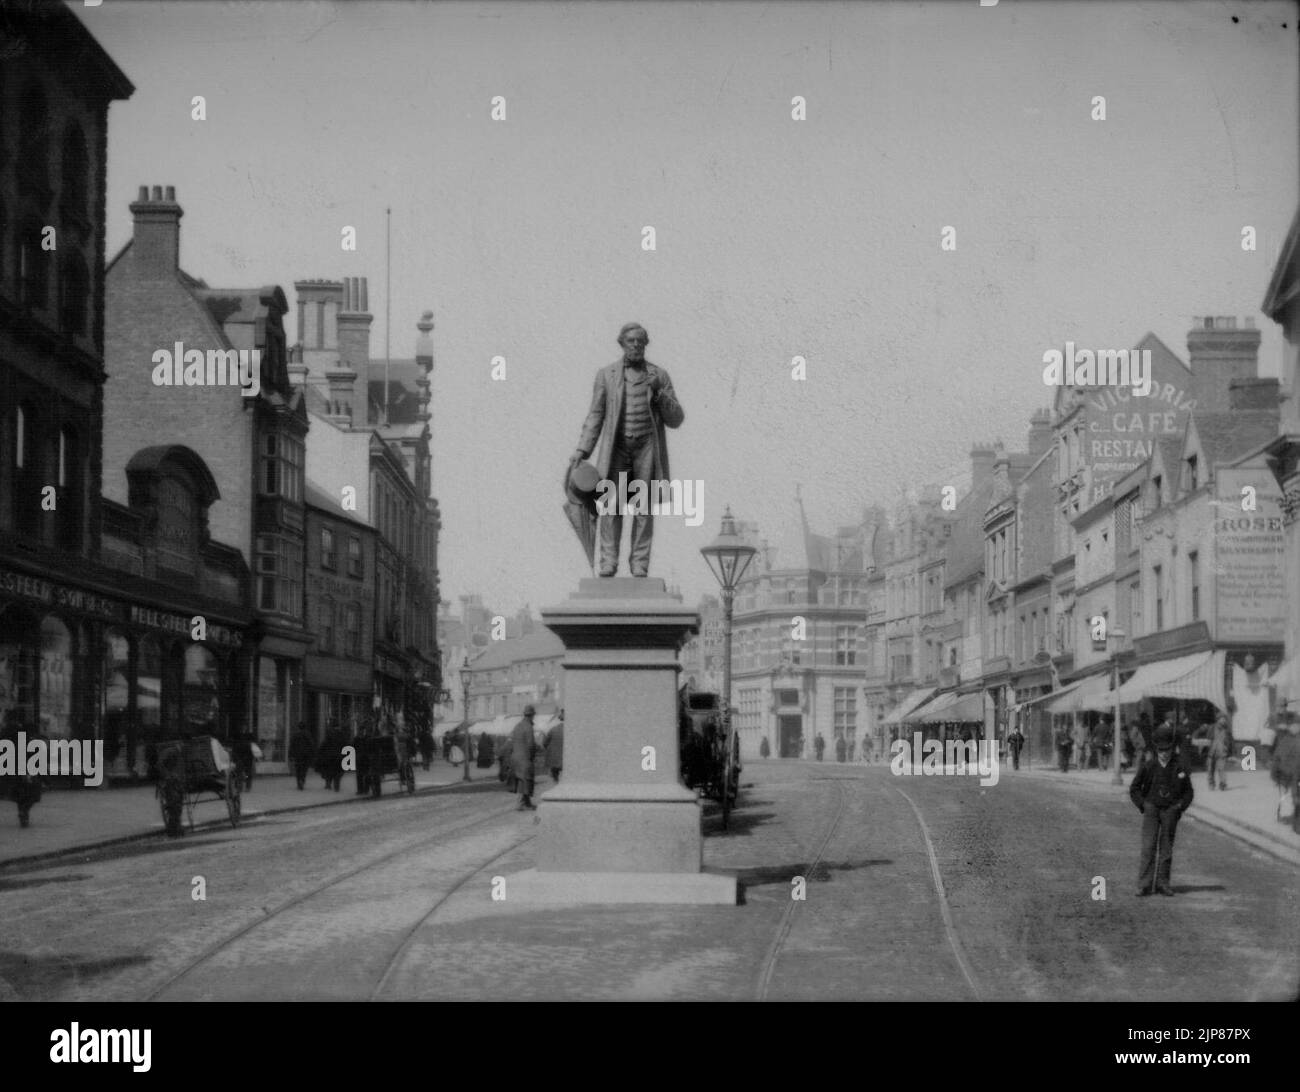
(1250, 549)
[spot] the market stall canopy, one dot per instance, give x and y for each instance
(908, 704)
(1093, 693)
(1195, 677)
(950, 708)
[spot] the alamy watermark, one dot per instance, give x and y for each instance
(219, 368)
(1104, 368)
(654, 498)
(41, 757)
(935, 758)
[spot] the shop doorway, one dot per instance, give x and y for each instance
(791, 729)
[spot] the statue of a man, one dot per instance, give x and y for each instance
(631, 403)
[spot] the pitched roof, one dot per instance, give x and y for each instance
(1285, 282)
(1224, 436)
(539, 645)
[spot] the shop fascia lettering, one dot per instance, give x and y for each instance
(87, 602)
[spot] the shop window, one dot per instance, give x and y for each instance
(149, 688)
(56, 679)
(200, 693)
(18, 669)
(115, 700)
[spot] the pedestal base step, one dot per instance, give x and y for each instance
(535, 888)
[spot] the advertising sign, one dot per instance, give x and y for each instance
(1249, 548)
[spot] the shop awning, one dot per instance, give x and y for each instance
(1057, 693)
(1092, 693)
(951, 707)
(909, 703)
(1198, 677)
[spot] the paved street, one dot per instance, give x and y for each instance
(917, 888)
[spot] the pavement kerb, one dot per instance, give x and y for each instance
(212, 824)
(1257, 837)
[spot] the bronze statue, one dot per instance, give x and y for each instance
(632, 401)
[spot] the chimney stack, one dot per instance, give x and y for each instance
(981, 463)
(156, 242)
(1040, 433)
(1220, 351)
(354, 321)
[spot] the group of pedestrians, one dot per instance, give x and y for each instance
(328, 758)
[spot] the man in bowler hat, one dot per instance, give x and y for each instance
(632, 401)
(523, 754)
(1161, 791)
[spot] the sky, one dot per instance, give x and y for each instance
(774, 238)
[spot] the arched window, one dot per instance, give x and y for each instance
(33, 266)
(76, 173)
(33, 137)
(74, 292)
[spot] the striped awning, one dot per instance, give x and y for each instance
(1198, 677)
(914, 699)
(1092, 693)
(950, 708)
(1059, 692)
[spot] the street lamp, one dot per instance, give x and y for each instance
(1116, 635)
(728, 557)
(466, 673)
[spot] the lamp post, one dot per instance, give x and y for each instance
(1117, 636)
(465, 674)
(728, 557)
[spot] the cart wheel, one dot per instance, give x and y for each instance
(234, 801)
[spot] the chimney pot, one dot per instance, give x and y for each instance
(157, 193)
(144, 194)
(171, 194)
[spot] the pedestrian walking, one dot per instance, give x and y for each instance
(764, 749)
(555, 749)
(523, 756)
(1064, 743)
(23, 789)
(302, 749)
(241, 750)
(1015, 740)
(1216, 758)
(841, 748)
(1161, 791)
(1102, 741)
(819, 745)
(1082, 744)
(485, 752)
(426, 745)
(1285, 767)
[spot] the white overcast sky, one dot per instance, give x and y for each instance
(775, 238)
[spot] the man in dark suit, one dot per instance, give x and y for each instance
(1161, 791)
(632, 401)
(523, 755)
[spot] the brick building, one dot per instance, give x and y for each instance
(163, 324)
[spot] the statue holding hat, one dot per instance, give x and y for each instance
(632, 403)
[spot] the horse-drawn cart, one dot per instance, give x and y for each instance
(192, 771)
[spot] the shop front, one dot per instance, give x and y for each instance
(80, 662)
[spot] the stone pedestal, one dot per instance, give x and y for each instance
(614, 829)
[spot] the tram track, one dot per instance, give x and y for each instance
(768, 967)
(225, 943)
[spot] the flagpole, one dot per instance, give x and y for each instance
(388, 304)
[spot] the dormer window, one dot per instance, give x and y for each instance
(1192, 469)
(1156, 488)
